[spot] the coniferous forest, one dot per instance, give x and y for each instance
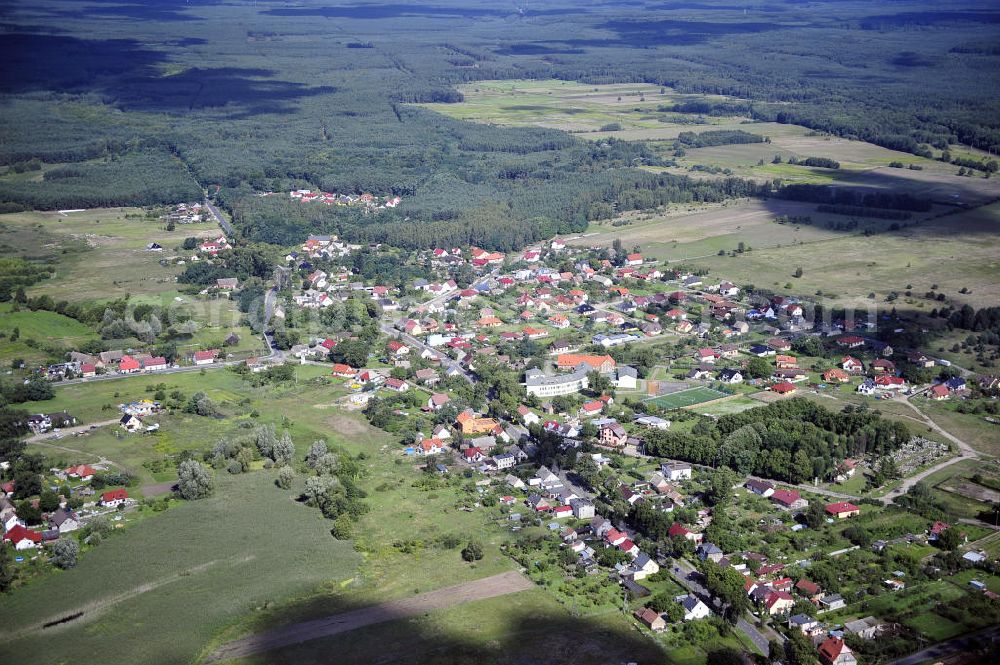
(145, 102)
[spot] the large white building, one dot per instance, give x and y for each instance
(536, 382)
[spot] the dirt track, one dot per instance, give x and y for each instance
(488, 587)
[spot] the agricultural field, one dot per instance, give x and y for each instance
(686, 398)
(100, 254)
(954, 251)
(572, 107)
(632, 112)
(972, 428)
(195, 555)
(957, 475)
(37, 332)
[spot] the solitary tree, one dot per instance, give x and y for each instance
(473, 551)
(65, 552)
(283, 450)
(316, 450)
(285, 477)
(7, 570)
(194, 480)
(758, 368)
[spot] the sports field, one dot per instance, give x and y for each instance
(688, 397)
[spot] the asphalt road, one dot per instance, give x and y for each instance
(225, 225)
(744, 626)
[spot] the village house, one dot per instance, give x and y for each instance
(430, 447)
(810, 590)
(64, 521)
(469, 424)
(397, 385)
(82, 472)
(204, 357)
(804, 623)
(129, 365)
(612, 435)
(130, 423)
(760, 487)
(832, 601)
(582, 508)
(783, 388)
(437, 401)
(675, 471)
(652, 422)
(709, 552)
(730, 375)
(676, 529)
(114, 498)
(694, 609)
(842, 510)
(23, 538)
(778, 602)
(852, 365)
(836, 375)
(789, 499)
(833, 651)
(651, 619)
(867, 628)
(845, 471)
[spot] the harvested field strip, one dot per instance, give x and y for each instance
(487, 587)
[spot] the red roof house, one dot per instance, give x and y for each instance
(114, 497)
(128, 364)
(842, 509)
(23, 538)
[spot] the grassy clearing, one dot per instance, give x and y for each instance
(858, 159)
(725, 407)
(956, 251)
(569, 106)
(935, 627)
(971, 428)
(227, 568)
(101, 253)
(87, 400)
(631, 112)
(400, 512)
(44, 326)
(692, 232)
(38, 329)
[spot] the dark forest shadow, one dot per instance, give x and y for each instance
(128, 73)
(552, 638)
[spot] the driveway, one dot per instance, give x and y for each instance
(69, 431)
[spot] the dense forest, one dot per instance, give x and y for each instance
(269, 97)
(793, 440)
